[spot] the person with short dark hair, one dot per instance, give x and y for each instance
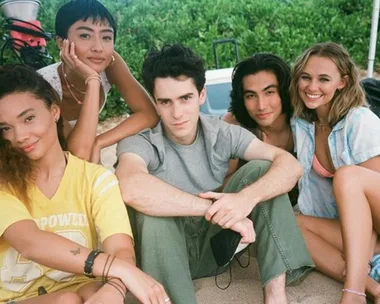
(56, 210)
(169, 176)
(85, 34)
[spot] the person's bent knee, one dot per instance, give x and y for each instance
(344, 174)
(254, 169)
(247, 175)
(259, 164)
(302, 222)
(68, 297)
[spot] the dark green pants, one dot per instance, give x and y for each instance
(175, 250)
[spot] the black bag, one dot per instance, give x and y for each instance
(372, 90)
(224, 245)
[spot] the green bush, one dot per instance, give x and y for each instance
(283, 27)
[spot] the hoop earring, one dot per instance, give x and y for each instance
(112, 61)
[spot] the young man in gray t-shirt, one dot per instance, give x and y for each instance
(170, 177)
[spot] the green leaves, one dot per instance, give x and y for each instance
(283, 27)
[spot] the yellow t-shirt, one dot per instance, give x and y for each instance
(86, 208)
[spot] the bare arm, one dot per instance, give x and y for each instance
(36, 245)
(230, 208)
(59, 253)
(372, 164)
(150, 195)
(82, 137)
(120, 246)
(144, 114)
(280, 178)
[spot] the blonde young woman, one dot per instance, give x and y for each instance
(333, 129)
(85, 34)
(56, 209)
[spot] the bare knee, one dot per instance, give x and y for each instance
(345, 175)
(303, 223)
(68, 297)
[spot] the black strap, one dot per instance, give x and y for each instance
(90, 262)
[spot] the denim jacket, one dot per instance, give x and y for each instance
(353, 140)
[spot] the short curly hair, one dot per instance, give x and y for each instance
(173, 61)
(253, 65)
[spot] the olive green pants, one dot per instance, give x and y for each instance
(175, 250)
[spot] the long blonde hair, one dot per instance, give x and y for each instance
(351, 96)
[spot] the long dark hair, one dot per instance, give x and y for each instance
(16, 169)
(253, 65)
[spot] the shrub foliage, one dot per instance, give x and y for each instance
(283, 27)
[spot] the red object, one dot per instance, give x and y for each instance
(20, 37)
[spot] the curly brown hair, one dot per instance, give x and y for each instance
(16, 169)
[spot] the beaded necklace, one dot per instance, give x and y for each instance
(69, 86)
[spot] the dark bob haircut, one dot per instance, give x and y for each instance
(76, 10)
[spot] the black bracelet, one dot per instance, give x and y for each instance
(87, 270)
(119, 288)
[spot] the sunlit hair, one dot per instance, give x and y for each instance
(351, 96)
(16, 169)
(253, 65)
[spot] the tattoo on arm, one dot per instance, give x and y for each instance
(75, 252)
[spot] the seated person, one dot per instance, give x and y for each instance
(85, 33)
(56, 209)
(260, 102)
(167, 176)
(333, 129)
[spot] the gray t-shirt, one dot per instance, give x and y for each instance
(199, 167)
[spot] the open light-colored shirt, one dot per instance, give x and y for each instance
(353, 140)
